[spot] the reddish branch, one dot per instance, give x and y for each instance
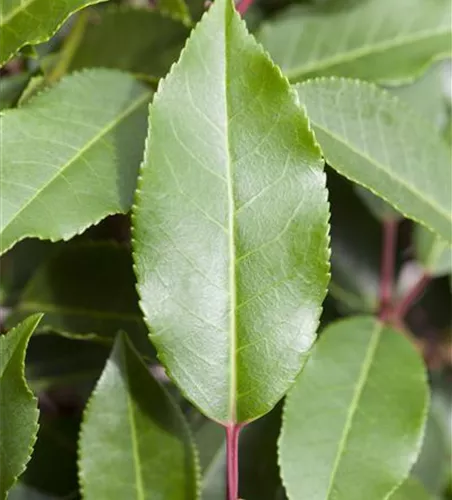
(390, 227)
(243, 6)
(232, 460)
(401, 309)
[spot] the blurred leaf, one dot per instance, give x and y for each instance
(377, 206)
(176, 9)
(130, 412)
(53, 361)
(36, 84)
(136, 40)
(19, 264)
(33, 21)
(378, 40)
(433, 465)
(73, 150)
(356, 411)
(230, 280)
(53, 467)
(11, 87)
(24, 492)
(19, 413)
(433, 253)
(355, 249)
(86, 288)
(426, 95)
(411, 489)
(381, 144)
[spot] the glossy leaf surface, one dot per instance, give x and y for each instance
(375, 140)
(432, 252)
(86, 288)
(231, 276)
(73, 151)
(32, 21)
(355, 412)
(130, 39)
(19, 412)
(133, 429)
(378, 40)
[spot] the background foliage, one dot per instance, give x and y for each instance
(224, 248)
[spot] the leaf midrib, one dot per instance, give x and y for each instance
(362, 52)
(104, 131)
(359, 388)
(231, 245)
(381, 167)
(133, 433)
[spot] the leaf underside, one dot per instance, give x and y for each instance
(354, 412)
(230, 224)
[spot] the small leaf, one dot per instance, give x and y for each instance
(356, 411)
(131, 39)
(433, 253)
(33, 21)
(86, 288)
(411, 489)
(131, 413)
(231, 277)
(377, 40)
(70, 156)
(19, 412)
(177, 9)
(381, 144)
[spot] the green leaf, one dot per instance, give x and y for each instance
(54, 361)
(131, 413)
(426, 95)
(19, 412)
(381, 144)
(411, 489)
(53, 467)
(355, 416)
(70, 156)
(377, 206)
(231, 277)
(433, 253)
(86, 288)
(136, 40)
(177, 9)
(378, 40)
(33, 21)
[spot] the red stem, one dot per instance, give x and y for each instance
(387, 266)
(232, 452)
(401, 309)
(243, 6)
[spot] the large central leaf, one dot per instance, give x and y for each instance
(230, 226)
